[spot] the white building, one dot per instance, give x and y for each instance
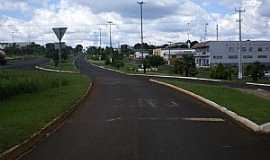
(138, 55)
(227, 52)
(173, 52)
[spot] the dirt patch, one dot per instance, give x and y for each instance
(257, 92)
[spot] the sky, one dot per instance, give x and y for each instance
(164, 20)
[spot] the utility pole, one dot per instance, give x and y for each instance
(188, 30)
(100, 34)
(110, 23)
(205, 31)
(169, 59)
(240, 67)
(141, 10)
(217, 32)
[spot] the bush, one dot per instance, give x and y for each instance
(13, 83)
(185, 66)
(222, 72)
(155, 61)
(256, 71)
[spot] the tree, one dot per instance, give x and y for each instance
(194, 43)
(79, 48)
(155, 61)
(186, 65)
(222, 72)
(256, 71)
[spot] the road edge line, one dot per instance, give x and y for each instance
(265, 128)
(20, 150)
(53, 70)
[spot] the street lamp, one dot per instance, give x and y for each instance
(141, 11)
(169, 59)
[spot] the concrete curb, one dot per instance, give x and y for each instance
(178, 77)
(20, 150)
(52, 70)
(258, 84)
(158, 76)
(265, 128)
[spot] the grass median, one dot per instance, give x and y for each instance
(26, 112)
(250, 106)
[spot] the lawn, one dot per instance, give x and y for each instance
(66, 65)
(26, 112)
(251, 106)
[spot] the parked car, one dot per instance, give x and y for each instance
(3, 60)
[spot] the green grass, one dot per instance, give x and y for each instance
(66, 65)
(14, 82)
(24, 114)
(251, 106)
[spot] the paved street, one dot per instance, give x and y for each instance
(128, 118)
(26, 64)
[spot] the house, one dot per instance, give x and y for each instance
(173, 52)
(227, 52)
(138, 55)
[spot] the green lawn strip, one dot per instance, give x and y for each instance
(23, 115)
(251, 106)
(66, 65)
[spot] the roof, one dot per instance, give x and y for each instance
(200, 45)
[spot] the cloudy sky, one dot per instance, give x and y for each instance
(164, 20)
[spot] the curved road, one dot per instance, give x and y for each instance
(26, 64)
(127, 118)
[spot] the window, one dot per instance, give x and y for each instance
(217, 57)
(243, 49)
(260, 49)
(233, 57)
(247, 56)
(231, 49)
(250, 49)
(267, 48)
(262, 56)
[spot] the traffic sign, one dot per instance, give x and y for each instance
(59, 32)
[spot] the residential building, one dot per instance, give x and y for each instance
(173, 52)
(138, 55)
(227, 52)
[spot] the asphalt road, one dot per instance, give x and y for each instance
(127, 118)
(26, 64)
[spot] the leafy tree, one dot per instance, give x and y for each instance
(155, 61)
(256, 71)
(79, 48)
(186, 65)
(222, 72)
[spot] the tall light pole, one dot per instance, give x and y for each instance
(217, 32)
(169, 59)
(110, 23)
(141, 11)
(240, 67)
(188, 30)
(205, 31)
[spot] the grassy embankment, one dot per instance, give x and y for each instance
(251, 106)
(31, 99)
(66, 65)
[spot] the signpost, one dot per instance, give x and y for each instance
(59, 32)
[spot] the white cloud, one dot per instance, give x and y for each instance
(82, 19)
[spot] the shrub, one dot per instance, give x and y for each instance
(256, 71)
(13, 83)
(222, 72)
